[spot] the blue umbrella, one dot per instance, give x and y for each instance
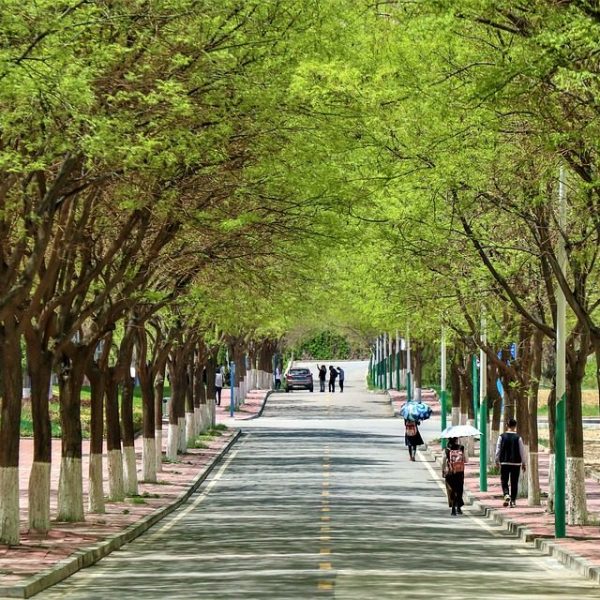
(415, 411)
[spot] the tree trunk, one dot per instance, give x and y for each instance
(190, 414)
(456, 392)
(128, 432)
(11, 381)
(148, 416)
(159, 389)
(40, 374)
(70, 485)
(116, 489)
(534, 385)
(95, 473)
(576, 496)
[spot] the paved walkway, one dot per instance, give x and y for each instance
(319, 499)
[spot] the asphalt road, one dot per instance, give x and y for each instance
(319, 499)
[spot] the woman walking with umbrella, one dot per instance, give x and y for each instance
(453, 469)
(412, 437)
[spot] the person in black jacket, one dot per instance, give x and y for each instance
(510, 456)
(322, 377)
(332, 375)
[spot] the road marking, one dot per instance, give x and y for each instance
(325, 518)
(325, 528)
(324, 493)
(325, 585)
(325, 566)
(326, 484)
(325, 551)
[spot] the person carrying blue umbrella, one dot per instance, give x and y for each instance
(412, 437)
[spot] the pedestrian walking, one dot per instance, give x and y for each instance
(341, 378)
(453, 470)
(277, 377)
(218, 385)
(412, 437)
(510, 456)
(332, 375)
(322, 377)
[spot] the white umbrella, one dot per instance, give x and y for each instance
(460, 431)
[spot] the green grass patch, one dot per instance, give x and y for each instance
(27, 420)
(136, 500)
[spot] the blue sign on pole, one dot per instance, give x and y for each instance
(232, 384)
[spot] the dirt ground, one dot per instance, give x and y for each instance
(591, 448)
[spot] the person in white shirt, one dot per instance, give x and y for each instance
(218, 386)
(277, 377)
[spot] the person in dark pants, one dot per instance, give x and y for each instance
(341, 378)
(412, 437)
(510, 456)
(332, 375)
(453, 470)
(218, 386)
(322, 377)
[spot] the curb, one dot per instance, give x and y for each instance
(545, 544)
(88, 556)
(260, 412)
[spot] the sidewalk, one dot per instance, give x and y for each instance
(580, 550)
(250, 409)
(42, 560)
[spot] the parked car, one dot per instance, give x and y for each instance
(299, 379)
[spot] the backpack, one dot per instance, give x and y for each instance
(456, 461)
(411, 428)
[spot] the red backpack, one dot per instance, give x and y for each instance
(456, 461)
(411, 428)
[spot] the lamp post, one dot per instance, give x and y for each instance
(397, 360)
(232, 388)
(443, 384)
(408, 366)
(483, 410)
(561, 335)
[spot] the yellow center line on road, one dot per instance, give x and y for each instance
(325, 518)
(325, 585)
(324, 493)
(325, 551)
(325, 566)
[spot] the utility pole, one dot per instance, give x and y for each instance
(408, 366)
(443, 384)
(397, 360)
(561, 338)
(483, 410)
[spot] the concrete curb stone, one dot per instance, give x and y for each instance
(91, 554)
(545, 544)
(260, 412)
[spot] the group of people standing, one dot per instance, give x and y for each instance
(510, 457)
(334, 373)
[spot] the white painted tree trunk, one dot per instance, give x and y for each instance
(493, 440)
(9, 505)
(197, 421)
(204, 417)
(70, 490)
(470, 441)
(96, 485)
(524, 479)
(190, 426)
(39, 497)
(576, 498)
(116, 489)
(131, 479)
(158, 449)
(212, 413)
(533, 475)
(182, 446)
(148, 460)
(172, 441)
(418, 394)
(455, 415)
(550, 502)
